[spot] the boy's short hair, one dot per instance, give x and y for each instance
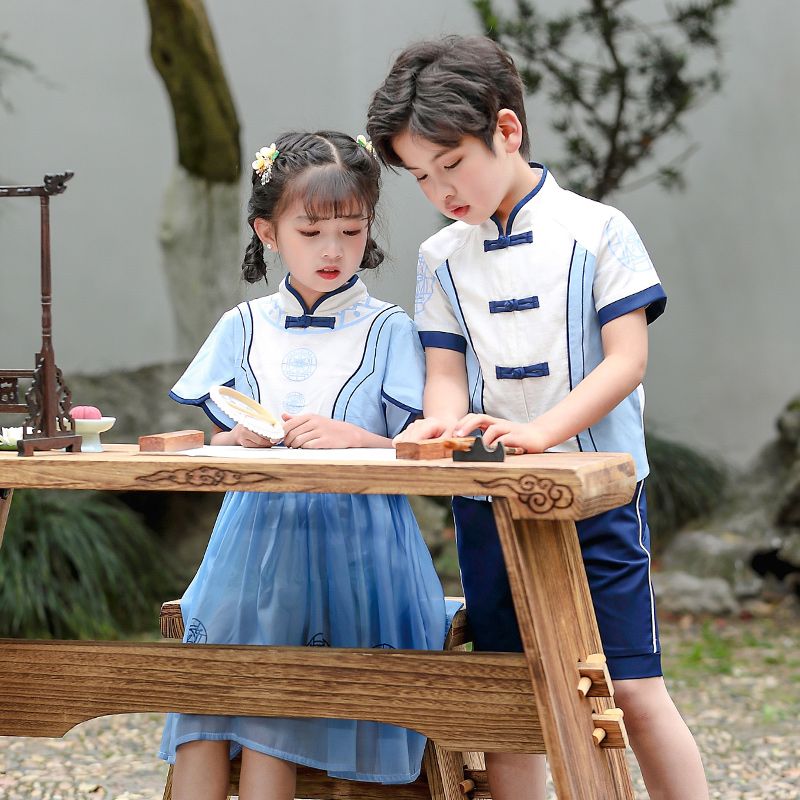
(443, 90)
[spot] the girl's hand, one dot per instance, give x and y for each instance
(241, 436)
(514, 434)
(427, 428)
(316, 432)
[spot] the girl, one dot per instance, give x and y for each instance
(332, 570)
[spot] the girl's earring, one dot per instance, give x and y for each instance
(269, 246)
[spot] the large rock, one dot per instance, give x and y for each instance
(758, 524)
(719, 555)
(789, 424)
(681, 593)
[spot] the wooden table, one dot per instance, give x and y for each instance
(465, 701)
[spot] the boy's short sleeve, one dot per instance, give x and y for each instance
(214, 365)
(404, 376)
(625, 279)
(433, 311)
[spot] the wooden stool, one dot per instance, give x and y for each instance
(445, 775)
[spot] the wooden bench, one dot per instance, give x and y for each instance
(445, 775)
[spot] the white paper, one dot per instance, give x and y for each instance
(294, 454)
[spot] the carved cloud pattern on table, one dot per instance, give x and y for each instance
(206, 476)
(540, 495)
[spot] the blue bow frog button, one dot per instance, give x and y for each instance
(309, 321)
(513, 304)
(540, 370)
(502, 242)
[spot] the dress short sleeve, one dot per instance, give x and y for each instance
(404, 376)
(433, 311)
(214, 365)
(625, 279)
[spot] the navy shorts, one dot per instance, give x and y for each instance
(616, 553)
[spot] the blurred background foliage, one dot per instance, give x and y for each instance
(79, 565)
(619, 78)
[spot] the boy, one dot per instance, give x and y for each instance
(533, 310)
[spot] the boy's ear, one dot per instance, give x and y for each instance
(510, 128)
(266, 232)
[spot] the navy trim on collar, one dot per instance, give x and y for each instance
(343, 288)
(521, 203)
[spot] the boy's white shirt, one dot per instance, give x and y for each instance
(585, 265)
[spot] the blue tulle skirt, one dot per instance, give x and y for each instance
(319, 570)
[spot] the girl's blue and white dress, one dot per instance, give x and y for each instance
(314, 569)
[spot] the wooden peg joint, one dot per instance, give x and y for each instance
(609, 729)
(467, 786)
(595, 680)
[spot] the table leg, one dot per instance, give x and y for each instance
(5, 505)
(559, 629)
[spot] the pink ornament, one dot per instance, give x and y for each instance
(85, 412)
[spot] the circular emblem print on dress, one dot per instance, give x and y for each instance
(424, 286)
(196, 632)
(626, 246)
(294, 403)
(299, 364)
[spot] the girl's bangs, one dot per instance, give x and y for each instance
(330, 192)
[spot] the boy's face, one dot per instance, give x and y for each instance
(468, 182)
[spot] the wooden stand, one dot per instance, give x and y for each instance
(519, 703)
(48, 398)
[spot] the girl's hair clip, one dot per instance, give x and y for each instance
(366, 144)
(265, 158)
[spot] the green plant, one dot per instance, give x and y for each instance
(683, 484)
(78, 565)
(617, 81)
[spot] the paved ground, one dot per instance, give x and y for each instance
(736, 682)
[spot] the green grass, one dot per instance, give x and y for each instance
(711, 653)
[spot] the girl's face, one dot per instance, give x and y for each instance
(320, 255)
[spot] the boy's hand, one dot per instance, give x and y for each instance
(514, 434)
(316, 432)
(428, 428)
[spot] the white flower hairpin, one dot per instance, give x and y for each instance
(365, 143)
(265, 158)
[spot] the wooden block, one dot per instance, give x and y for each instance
(433, 448)
(171, 442)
